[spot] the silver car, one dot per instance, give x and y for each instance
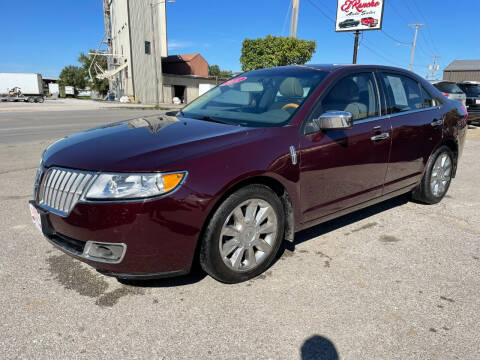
(450, 90)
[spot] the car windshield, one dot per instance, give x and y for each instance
(259, 98)
(449, 88)
(471, 90)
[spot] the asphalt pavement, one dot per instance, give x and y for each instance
(399, 280)
(21, 127)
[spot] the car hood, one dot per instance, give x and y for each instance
(153, 143)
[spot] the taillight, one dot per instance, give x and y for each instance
(446, 95)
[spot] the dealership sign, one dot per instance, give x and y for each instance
(353, 15)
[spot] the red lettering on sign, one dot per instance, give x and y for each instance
(358, 5)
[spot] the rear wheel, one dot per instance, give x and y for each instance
(437, 177)
(31, 99)
(40, 99)
(244, 235)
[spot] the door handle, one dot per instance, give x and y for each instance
(381, 136)
(437, 122)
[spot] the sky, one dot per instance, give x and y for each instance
(44, 36)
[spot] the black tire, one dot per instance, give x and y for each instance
(31, 99)
(40, 99)
(210, 257)
(423, 191)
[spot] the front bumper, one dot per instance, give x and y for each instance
(160, 236)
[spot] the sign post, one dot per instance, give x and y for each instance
(355, 47)
(359, 15)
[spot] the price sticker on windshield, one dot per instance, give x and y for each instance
(234, 81)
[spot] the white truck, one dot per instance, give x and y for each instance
(21, 87)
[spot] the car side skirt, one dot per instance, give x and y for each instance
(360, 206)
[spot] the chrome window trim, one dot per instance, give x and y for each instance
(83, 200)
(393, 115)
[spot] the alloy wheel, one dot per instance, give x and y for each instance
(248, 235)
(441, 175)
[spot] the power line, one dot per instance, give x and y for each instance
(409, 9)
(431, 39)
(399, 13)
(395, 40)
(422, 37)
(321, 11)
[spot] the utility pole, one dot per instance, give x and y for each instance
(294, 18)
(435, 66)
(417, 26)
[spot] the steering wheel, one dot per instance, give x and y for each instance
(290, 105)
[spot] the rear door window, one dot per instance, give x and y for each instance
(427, 99)
(403, 93)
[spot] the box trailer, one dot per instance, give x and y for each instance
(21, 87)
(70, 90)
(54, 89)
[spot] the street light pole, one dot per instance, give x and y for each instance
(417, 26)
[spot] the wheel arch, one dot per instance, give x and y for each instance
(272, 183)
(452, 145)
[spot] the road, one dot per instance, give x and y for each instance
(399, 280)
(21, 127)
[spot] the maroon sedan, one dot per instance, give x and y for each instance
(244, 167)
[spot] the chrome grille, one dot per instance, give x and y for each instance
(61, 189)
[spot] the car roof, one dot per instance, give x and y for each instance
(333, 67)
(337, 67)
(442, 81)
(470, 82)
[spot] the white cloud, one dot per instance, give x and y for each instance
(179, 44)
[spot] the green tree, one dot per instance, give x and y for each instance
(98, 85)
(72, 75)
(214, 70)
(275, 51)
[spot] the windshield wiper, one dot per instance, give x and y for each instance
(209, 118)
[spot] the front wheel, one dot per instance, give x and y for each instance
(437, 177)
(244, 235)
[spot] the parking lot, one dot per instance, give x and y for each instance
(399, 280)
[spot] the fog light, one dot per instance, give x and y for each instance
(104, 252)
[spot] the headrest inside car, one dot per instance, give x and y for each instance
(291, 87)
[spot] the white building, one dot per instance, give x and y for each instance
(136, 32)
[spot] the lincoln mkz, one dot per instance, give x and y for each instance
(242, 168)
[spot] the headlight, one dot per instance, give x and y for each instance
(133, 186)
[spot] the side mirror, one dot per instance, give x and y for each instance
(335, 120)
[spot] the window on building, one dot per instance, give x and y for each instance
(148, 50)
